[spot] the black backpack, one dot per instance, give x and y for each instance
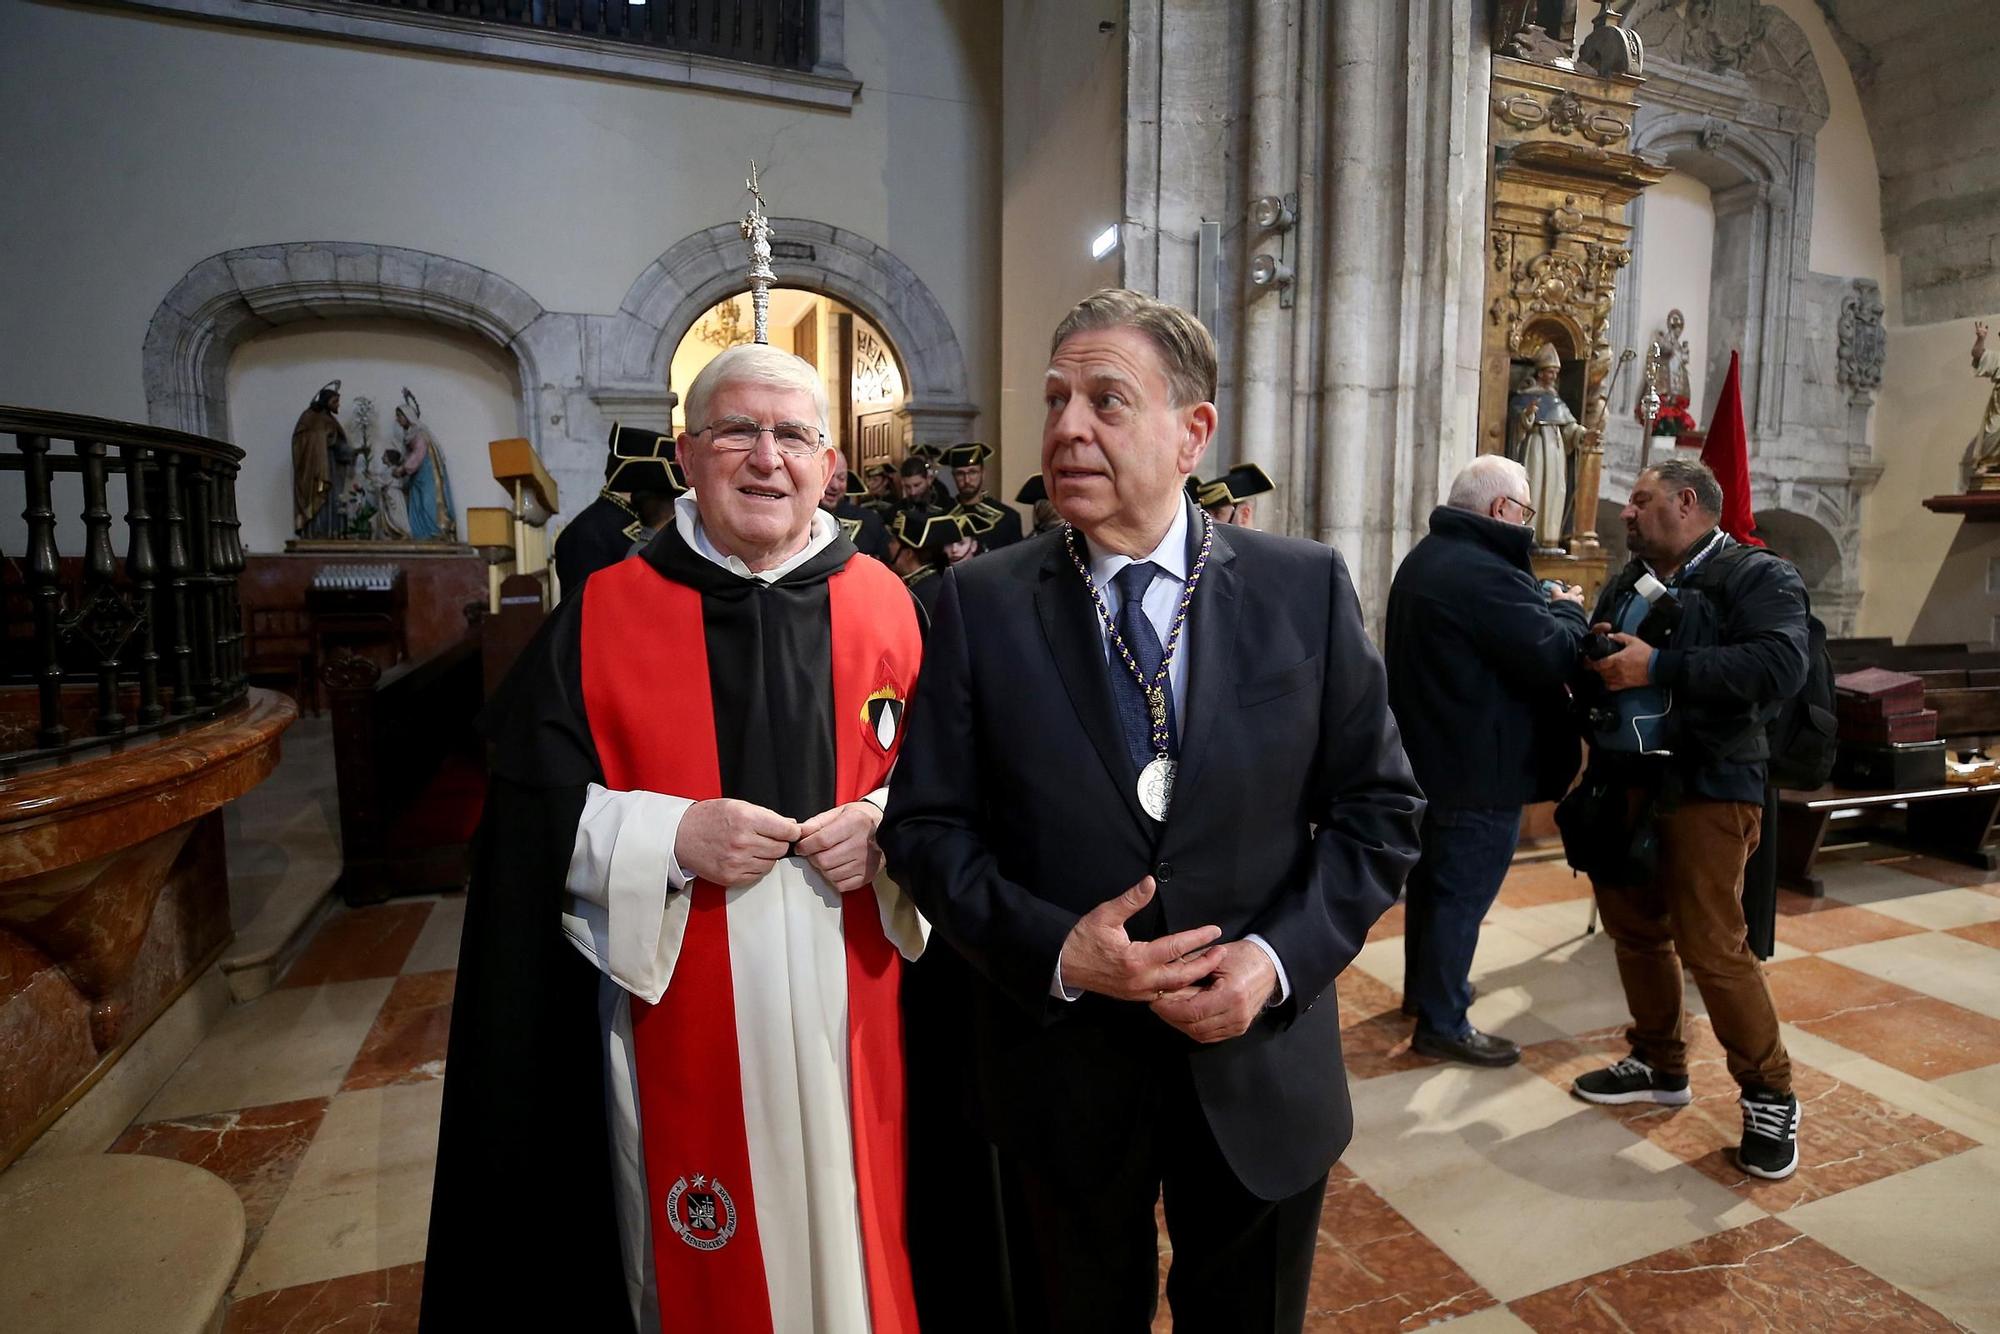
(1800, 731)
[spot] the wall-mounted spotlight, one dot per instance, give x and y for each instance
(1272, 213)
(1269, 271)
(1104, 242)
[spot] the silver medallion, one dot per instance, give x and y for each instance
(1156, 787)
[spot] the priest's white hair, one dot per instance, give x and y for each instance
(1486, 479)
(760, 364)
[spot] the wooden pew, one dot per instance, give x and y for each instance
(409, 767)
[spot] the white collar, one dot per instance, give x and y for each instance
(687, 518)
(1170, 556)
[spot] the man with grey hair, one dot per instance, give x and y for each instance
(1479, 652)
(676, 1040)
(1153, 794)
(1710, 638)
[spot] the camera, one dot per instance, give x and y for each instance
(1598, 645)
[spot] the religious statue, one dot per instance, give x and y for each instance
(431, 513)
(322, 463)
(1542, 433)
(1983, 456)
(757, 231)
(1666, 368)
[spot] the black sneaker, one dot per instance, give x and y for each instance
(1410, 1006)
(1632, 1080)
(1770, 1147)
(1475, 1048)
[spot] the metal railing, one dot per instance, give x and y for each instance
(779, 33)
(158, 631)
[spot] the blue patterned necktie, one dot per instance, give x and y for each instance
(1144, 642)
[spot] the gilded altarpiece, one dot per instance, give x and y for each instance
(1557, 237)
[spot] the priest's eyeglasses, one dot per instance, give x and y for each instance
(738, 435)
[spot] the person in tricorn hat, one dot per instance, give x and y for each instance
(1034, 493)
(640, 483)
(880, 480)
(932, 457)
(994, 524)
(1229, 498)
(921, 544)
(916, 486)
(842, 499)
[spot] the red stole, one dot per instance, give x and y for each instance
(656, 732)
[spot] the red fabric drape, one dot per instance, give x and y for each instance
(1727, 454)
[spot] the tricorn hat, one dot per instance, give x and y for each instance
(1033, 491)
(972, 455)
(642, 460)
(855, 488)
(929, 531)
(1234, 487)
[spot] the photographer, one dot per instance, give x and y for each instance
(1696, 644)
(1478, 652)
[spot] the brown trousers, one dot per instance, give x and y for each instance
(1693, 913)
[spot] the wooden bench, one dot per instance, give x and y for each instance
(410, 770)
(1950, 820)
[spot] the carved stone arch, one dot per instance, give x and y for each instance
(1811, 534)
(679, 287)
(234, 295)
(1745, 48)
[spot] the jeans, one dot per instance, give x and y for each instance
(1466, 853)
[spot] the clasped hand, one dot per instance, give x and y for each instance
(734, 843)
(1208, 991)
(1630, 666)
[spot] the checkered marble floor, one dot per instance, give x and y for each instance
(1489, 1200)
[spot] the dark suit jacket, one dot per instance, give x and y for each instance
(1013, 812)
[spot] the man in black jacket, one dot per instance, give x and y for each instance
(1150, 788)
(1680, 735)
(1478, 654)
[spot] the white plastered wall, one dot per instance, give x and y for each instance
(132, 147)
(1674, 256)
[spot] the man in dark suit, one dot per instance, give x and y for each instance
(1151, 789)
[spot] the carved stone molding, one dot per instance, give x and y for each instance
(1864, 344)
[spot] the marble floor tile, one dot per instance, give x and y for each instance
(1373, 1271)
(256, 1150)
(1894, 1024)
(1847, 1137)
(1521, 1185)
(361, 1198)
(1945, 1100)
(1763, 1276)
(407, 1043)
(1943, 870)
(437, 944)
(362, 942)
(284, 1046)
(1531, 884)
(1389, 924)
(1936, 963)
(382, 1302)
(1929, 1231)
(1980, 1087)
(1835, 925)
(1493, 1320)
(1910, 898)
(1979, 933)
(1374, 1035)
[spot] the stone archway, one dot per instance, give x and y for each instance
(230, 297)
(708, 266)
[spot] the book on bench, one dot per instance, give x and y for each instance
(1897, 727)
(1874, 694)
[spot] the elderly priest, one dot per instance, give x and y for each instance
(675, 1090)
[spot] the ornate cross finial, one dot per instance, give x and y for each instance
(757, 231)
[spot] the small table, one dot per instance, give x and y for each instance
(1950, 820)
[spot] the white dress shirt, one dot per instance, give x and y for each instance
(1160, 602)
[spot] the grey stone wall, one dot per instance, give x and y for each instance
(1925, 72)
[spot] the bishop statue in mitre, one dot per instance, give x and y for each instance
(1541, 431)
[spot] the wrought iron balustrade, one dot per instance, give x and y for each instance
(96, 645)
(779, 33)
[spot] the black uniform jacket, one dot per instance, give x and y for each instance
(1014, 811)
